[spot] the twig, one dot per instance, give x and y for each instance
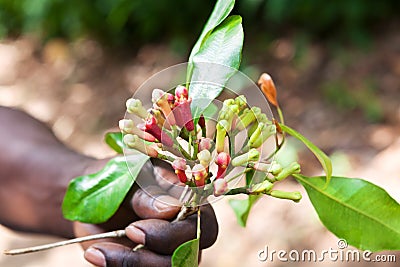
(113, 234)
(185, 212)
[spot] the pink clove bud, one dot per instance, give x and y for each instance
(223, 159)
(205, 144)
(220, 187)
(128, 127)
(200, 174)
(181, 92)
(179, 165)
(170, 98)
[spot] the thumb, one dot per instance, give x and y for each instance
(154, 203)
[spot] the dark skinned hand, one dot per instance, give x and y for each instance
(151, 210)
(35, 169)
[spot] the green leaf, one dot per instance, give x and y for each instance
(216, 61)
(242, 207)
(221, 11)
(210, 111)
(363, 214)
(96, 197)
(114, 140)
(186, 255)
(321, 156)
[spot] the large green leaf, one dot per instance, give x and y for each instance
(321, 156)
(363, 214)
(216, 61)
(96, 197)
(221, 11)
(242, 208)
(210, 111)
(114, 140)
(186, 255)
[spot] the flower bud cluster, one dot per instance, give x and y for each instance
(199, 161)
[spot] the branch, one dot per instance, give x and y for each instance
(113, 234)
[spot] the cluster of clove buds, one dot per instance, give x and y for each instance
(169, 132)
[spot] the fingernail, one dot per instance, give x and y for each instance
(94, 256)
(135, 234)
(165, 202)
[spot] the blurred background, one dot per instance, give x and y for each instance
(336, 64)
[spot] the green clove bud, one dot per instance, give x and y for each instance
(275, 168)
(266, 133)
(293, 168)
(241, 102)
(256, 135)
(295, 196)
(250, 156)
(222, 127)
(248, 116)
(263, 187)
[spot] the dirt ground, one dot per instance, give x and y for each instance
(79, 90)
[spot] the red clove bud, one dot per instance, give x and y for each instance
(202, 121)
(179, 166)
(152, 128)
(223, 159)
(183, 114)
(181, 92)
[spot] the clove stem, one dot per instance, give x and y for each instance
(113, 234)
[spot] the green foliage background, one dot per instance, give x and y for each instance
(139, 21)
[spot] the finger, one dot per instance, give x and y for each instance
(115, 255)
(166, 178)
(163, 176)
(164, 237)
(153, 202)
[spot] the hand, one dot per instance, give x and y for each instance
(151, 210)
(35, 169)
